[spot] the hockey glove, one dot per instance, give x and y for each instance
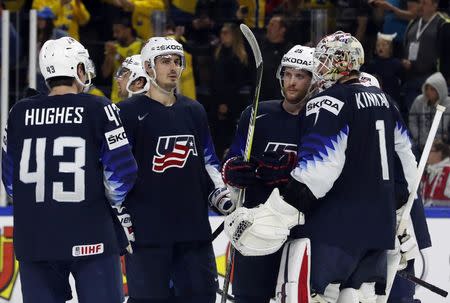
(220, 199)
(262, 230)
(274, 168)
(409, 248)
(125, 220)
(238, 173)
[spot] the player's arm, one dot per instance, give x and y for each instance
(119, 165)
(403, 149)
(321, 151)
(7, 164)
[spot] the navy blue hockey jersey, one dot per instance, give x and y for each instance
(275, 130)
(349, 137)
(66, 158)
(175, 155)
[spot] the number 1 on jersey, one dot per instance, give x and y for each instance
(379, 126)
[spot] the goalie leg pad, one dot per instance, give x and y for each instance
(294, 274)
(348, 295)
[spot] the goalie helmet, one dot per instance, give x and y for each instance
(161, 46)
(60, 58)
(336, 56)
(133, 65)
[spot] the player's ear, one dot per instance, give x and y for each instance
(81, 71)
(140, 83)
(148, 69)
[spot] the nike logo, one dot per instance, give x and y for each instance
(140, 118)
(259, 116)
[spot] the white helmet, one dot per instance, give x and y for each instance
(336, 56)
(160, 46)
(367, 79)
(61, 57)
(134, 65)
(298, 57)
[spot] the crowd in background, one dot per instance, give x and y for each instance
(406, 42)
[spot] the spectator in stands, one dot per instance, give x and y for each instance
(182, 11)
(427, 44)
(125, 45)
(435, 185)
(45, 30)
(386, 67)
(352, 16)
(230, 69)
(434, 92)
(272, 49)
(13, 38)
(397, 14)
(252, 13)
(70, 14)
(145, 16)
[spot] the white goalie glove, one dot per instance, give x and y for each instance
(262, 230)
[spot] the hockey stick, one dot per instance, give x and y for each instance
(404, 219)
(423, 283)
(248, 145)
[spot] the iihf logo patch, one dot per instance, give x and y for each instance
(173, 151)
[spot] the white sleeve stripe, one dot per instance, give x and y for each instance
(311, 171)
(404, 152)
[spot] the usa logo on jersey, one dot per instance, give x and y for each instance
(280, 147)
(173, 151)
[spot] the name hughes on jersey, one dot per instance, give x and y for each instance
(54, 115)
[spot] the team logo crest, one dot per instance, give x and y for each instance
(173, 151)
(280, 147)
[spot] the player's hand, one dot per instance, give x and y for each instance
(274, 168)
(409, 249)
(125, 220)
(220, 199)
(238, 173)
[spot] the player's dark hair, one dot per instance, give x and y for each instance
(60, 81)
(442, 147)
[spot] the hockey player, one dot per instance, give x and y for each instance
(169, 204)
(131, 78)
(273, 157)
(344, 180)
(65, 159)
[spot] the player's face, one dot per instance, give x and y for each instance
(168, 70)
(295, 84)
(122, 80)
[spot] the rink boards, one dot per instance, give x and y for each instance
(438, 265)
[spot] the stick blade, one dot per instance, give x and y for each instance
(250, 37)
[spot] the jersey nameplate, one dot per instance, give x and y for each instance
(54, 115)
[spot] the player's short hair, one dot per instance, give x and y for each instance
(60, 81)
